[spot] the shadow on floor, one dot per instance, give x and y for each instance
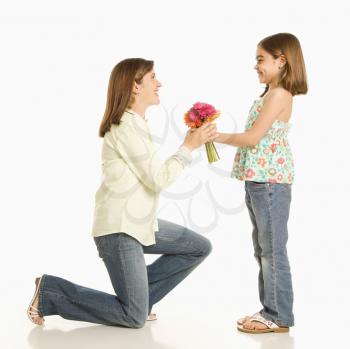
(93, 337)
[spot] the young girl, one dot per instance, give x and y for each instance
(264, 161)
(125, 224)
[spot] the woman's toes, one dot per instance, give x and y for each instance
(152, 316)
(40, 320)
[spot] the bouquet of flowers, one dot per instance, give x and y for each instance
(199, 114)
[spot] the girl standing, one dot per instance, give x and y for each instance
(264, 162)
(125, 224)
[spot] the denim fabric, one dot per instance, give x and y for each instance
(137, 286)
(268, 206)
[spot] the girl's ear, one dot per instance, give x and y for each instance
(283, 61)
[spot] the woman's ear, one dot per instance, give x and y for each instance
(136, 88)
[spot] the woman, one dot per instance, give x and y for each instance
(125, 224)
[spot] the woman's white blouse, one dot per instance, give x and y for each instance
(132, 178)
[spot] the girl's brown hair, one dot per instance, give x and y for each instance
(293, 75)
(120, 96)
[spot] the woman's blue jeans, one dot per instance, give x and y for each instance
(268, 206)
(137, 286)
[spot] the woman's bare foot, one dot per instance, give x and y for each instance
(33, 312)
(152, 317)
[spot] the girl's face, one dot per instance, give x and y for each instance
(147, 91)
(268, 67)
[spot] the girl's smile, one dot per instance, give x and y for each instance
(268, 67)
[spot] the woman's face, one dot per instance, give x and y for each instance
(148, 89)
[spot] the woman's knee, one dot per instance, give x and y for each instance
(137, 320)
(138, 323)
(137, 313)
(206, 247)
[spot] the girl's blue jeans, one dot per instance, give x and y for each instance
(268, 206)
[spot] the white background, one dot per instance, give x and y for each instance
(56, 57)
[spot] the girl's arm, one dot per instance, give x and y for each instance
(236, 139)
(275, 102)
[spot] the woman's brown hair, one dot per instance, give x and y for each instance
(121, 83)
(293, 76)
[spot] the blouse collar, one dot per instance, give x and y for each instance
(130, 111)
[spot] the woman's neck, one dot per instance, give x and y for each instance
(139, 108)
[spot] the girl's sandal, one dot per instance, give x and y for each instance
(242, 320)
(271, 326)
(32, 311)
(152, 317)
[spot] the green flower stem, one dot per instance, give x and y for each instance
(212, 153)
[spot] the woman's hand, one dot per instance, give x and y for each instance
(195, 137)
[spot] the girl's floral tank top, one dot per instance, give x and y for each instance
(271, 160)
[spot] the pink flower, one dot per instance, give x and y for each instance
(204, 109)
(249, 173)
(273, 147)
(199, 114)
(280, 177)
(281, 161)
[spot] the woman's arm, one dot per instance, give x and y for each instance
(134, 144)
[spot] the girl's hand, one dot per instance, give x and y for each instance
(196, 137)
